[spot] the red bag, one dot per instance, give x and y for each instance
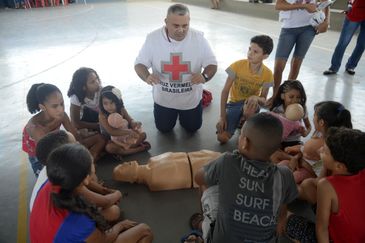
(207, 98)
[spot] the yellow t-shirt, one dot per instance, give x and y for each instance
(245, 83)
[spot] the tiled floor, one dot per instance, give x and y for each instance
(48, 45)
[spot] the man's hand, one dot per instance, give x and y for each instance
(152, 79)
(197, 78)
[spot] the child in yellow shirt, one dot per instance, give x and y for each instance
(246, 87)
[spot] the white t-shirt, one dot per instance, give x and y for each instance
(90, 103)
(297, 17)
(41, 180)
(174, 62)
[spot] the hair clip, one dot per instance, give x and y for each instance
(55, 188)
(117, 93)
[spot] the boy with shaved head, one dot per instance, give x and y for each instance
(252, 191)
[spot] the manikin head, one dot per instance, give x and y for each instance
(294, 112)
(126, 172)
(116, 120)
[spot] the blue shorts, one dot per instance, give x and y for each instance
(36, 165)
(234, 114)
(300, 37)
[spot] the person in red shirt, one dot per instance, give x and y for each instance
(60, 212)
(355, 19)
(341, 196)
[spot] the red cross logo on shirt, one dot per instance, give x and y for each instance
(175, 68)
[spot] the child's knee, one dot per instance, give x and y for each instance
(112, 213)
(110, 148)
(145, 230)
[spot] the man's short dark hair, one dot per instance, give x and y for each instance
(50, 142)
(178, 9)
(265, 132)
(265, 42)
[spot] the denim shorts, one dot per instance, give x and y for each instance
(234, 114)
(300, 37)
(36, 165)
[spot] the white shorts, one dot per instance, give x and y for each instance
(209, 202)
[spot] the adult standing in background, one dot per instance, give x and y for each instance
(296, 33)
(355, 18)
(177, 54)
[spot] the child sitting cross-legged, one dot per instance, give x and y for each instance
(102, 197)
(45, 101)
(289, 93)
(62, 214)
(304, 159)
(247, 84)
(252, 191)
(340, 197)
(126, 136)
(84, 93)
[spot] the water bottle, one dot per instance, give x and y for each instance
(325, 4)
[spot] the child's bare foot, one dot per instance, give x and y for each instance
(146, 145)
(141, 138)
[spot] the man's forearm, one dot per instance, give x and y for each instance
(210, 71)
(141, 71)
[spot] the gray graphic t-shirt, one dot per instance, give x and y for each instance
(250, 195)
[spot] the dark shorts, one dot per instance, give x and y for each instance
(89, 115)
(36, 165)
(301, 229)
